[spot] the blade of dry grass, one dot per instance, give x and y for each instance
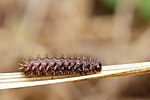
(17, 80)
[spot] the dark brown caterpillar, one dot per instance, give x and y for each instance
(59, 66)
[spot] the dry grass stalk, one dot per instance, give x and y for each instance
(17, 80)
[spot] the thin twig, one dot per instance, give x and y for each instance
(16, 79)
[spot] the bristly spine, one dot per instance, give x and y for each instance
(59, 65)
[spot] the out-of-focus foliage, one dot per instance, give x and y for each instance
(143, 7)
(110, 3)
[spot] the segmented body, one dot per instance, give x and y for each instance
(59, 66)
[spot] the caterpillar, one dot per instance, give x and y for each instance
(59, 65)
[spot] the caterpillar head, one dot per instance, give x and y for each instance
(98, 66)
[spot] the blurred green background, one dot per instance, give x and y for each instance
(115, 31)
(142, 8)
